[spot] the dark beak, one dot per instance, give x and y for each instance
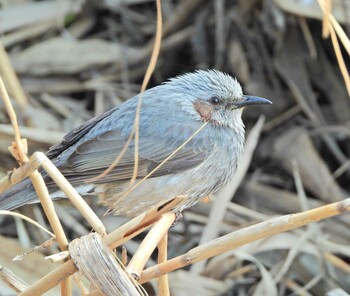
(251, 101)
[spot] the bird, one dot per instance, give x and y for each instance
(170, 114)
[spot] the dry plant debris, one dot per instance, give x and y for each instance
(76, 59)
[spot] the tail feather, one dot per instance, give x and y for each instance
(18, 195)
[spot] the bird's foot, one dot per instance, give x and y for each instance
(178, 217)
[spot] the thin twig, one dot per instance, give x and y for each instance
(223, 199)
(161, 164)
(14, 214)
(150, 69)
(333, 28)
(21, 150)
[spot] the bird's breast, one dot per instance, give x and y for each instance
(221, 163)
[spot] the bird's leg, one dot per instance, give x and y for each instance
(178, 217)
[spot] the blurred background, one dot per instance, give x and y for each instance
(76, 59)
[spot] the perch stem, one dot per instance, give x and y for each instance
(246, 235)
(39, 185)
(114, 239)
(163, 283)
(148, 245)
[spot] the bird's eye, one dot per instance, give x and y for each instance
(214, 101)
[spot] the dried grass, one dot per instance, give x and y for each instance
(301, 162)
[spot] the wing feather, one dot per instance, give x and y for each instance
(94, 156)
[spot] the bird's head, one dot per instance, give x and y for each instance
(214, 97)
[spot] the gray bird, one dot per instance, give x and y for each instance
(170, 114)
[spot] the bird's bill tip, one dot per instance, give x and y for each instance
(252, 100)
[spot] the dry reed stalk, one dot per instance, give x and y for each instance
(58, 257)
(296, 288)
(335, 260)
(241, 271)
(308, 37)
(11, 78)
(139, 223)
(149, 71)
(77, 280)
(19, 152)
(12, 280)
(339, 30)
(223, 199)
(285, 116)
(40, 159)
(46, 202)
(247, 235)
(113, 239)
(163, 283)
(19, 174)
(333, 29)
(101, 267)
(72, 194)
(147, 246)
(340, 59)
(28, 220)
(325, 22)
(135, 131)
(51, 280)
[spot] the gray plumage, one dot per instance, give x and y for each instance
(170, 114)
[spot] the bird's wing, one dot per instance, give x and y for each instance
(94, 156)
(75, 135)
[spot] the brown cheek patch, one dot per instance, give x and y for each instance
(204, 109)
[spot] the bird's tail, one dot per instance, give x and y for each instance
(18, 195)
